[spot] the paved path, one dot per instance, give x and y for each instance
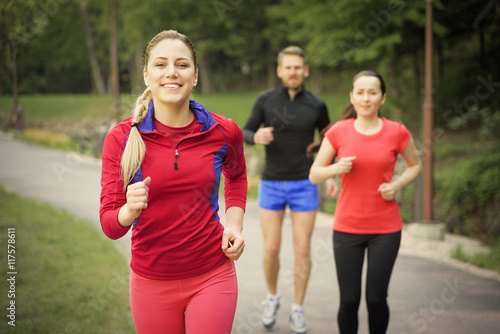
(426, 295)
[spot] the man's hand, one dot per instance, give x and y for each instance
(264, 136)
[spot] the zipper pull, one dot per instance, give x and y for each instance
(176, 155)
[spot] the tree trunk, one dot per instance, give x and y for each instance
(114, 58)
(440, 62)
(1, 76)
(417, 75)
(15, 88)
(205, 75)
(2, 64)
(316, 77)
(482, 48)
(271, 71)
(395, 90)
(97, 78)
(135, 67)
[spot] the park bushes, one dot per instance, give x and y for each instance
(470, 195)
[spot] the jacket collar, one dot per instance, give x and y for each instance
(202, 115)
(284, 90)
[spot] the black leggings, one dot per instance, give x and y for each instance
(349, 253)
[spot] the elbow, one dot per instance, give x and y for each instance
(415, 169)
(248, 137)
(107, 231)
(111, 234)
(414, 172)
(418, 168)
(110, 225)
(312, 178)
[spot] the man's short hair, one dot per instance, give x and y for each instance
(292, 50)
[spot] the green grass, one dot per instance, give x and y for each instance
(38, 108)
(70, 278)
(43, 107)
(47, 138)
(234, 106)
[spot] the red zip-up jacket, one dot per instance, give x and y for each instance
(179, 234)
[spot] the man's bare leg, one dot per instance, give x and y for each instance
(303, 225)
(271, 223)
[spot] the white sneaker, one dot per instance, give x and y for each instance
(269, 308)
(297, 321)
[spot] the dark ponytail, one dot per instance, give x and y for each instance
(313, 148)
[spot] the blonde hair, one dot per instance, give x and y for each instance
(292, 50)
(135, 149)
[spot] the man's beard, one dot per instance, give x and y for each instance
(295, 85)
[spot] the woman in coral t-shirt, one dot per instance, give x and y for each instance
(367, 217)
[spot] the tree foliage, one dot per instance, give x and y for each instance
(237, 42)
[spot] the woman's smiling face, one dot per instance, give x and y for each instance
(170, 72)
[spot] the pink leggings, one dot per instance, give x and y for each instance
(201, 304)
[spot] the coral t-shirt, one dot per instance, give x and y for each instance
(361, 208)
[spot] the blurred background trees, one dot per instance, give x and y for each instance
(63, 46)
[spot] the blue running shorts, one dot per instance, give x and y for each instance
(300, 195)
